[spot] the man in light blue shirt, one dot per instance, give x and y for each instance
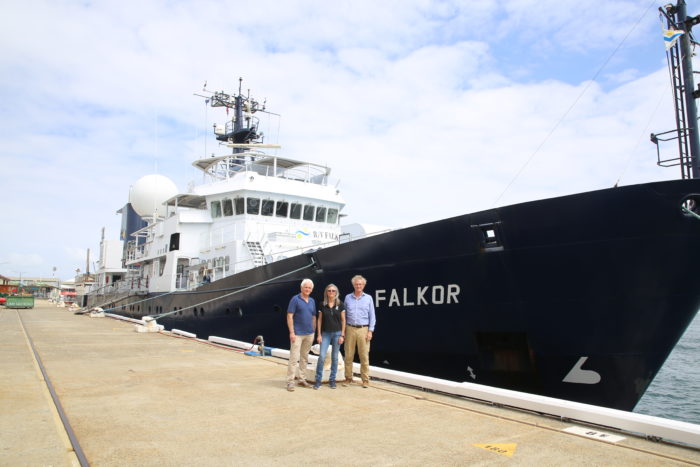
(360, 320)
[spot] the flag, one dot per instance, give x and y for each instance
(671, 36)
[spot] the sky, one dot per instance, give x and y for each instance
(424, 109)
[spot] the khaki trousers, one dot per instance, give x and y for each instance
(299, 357)
(356, 337)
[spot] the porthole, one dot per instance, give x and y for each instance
(690, 206)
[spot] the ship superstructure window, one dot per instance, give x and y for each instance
(239, 205)
(228, 207)
(332, 216)
(174, 242)
(308, 212)
(216, 209)
(320, 214)
(295, 213)
(253, 205)
(268, 207)
(281, 209)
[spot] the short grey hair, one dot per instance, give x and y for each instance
(306, 281)
(358, 278)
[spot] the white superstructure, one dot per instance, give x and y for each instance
(254, 210)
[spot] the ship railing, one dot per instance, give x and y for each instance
(273, 256)
(218, 237)
(134, 284)
(134, 251)
(265, 165)
(270, 256)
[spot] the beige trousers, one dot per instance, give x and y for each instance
(356, 337)
(299, 357)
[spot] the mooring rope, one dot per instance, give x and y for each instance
(180, 292)
(688, 211)
(236, 291)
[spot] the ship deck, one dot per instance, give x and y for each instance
(155, 399)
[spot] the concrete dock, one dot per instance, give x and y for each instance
(154, 399)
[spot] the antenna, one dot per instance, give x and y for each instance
(679, 57)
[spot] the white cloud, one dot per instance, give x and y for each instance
(431, 107)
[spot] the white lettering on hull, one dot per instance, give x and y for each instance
(418, 296)
(580, 376)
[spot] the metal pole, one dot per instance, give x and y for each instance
(688, 88)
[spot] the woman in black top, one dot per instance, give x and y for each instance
(331, 331)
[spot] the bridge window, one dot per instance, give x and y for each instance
(228, 207)
(296, 211)
(216, 209)
(320, 214)
(332, 216)
(282, 209)
(268, 207)
(239, 204)
(308, 212)
(253, 205)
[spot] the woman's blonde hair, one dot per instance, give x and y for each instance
(325, 295)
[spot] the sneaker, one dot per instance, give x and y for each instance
(346, 382)
(303, 384)
(316, 386)
(290, 387)
(365, 384)
(332, 385)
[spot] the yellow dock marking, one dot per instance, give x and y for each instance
(505, 449)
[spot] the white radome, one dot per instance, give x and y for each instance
(148, 194)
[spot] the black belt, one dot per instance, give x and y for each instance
(356, 326)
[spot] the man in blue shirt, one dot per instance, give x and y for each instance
(360, 320)
(301, 322)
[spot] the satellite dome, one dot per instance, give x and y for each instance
(149, 193)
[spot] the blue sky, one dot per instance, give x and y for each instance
(424, 109)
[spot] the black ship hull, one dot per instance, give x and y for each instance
(580, 297)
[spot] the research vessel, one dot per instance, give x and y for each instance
(579, 297)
